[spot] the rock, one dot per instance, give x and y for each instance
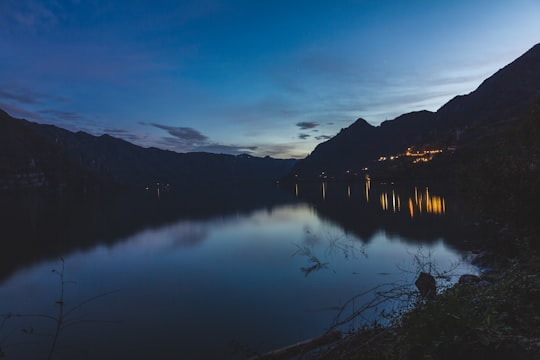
(469, 279)
(296, 350)
(426, 285)
(491, 276)
(486, 260)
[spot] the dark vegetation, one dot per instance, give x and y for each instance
(506, 162)
(495, 315)
(47, 158)
(501, 99)
(28, 161)
(495, 131)
(496, 168)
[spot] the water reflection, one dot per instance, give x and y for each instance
(261, 267)
(367, 188)
(319, 247)
(41, 226)
(393, 204)
(419, 204)
(418, 213)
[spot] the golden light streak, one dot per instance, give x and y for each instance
(368, 187)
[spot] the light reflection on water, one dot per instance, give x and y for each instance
(193, 288)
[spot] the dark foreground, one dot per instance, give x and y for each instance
(493, 316)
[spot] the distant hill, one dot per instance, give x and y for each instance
(28, 160)
(48, 157)
(503, 97)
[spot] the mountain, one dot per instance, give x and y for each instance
(501, 98)
(27, 160)
(358, 145)
(44, 156)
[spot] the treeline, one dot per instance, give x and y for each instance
(500, 177)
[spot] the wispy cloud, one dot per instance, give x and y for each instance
(280, 151)
(227, 149)
(114, 131)
(62, 115)
(19, 112)
(323, 137)
(303, 136)
(30, 14)
(27, 97)
(21, 97)
(186, 135)
(306, 125)
(186, 139)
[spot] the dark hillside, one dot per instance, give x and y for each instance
(45, 156)
(504, 97)
(28, 161)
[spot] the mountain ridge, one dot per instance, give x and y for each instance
(502, 97)
(45, 156)
(48, 154)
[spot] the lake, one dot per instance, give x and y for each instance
(212, 273)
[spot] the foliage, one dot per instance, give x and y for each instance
(336, 243)
(486, 320)
(477, 321)
(498, 317)
(500, 174)
(315, 263)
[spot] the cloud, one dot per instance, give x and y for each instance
(280, 151)
(305, 125)
(180, 145)
(185, 139)
(30, 14)
(18, 112)
(227, 149)
(20, 97)
(114, 131)
(323, 137)
(126, 135)
(303, 136)
(27, 97)
(62, 115)
(186, 134)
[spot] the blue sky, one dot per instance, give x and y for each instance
(242, 76)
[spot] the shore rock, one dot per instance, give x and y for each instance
(426, 285)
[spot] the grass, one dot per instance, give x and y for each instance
(496, 319)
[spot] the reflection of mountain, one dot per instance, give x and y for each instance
(45, 227)
(415, 213)
(37, 227)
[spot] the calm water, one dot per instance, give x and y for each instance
(210, 274)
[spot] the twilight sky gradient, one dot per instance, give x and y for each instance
(243, 76)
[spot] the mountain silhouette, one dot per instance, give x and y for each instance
(502, 98)
(45, 156)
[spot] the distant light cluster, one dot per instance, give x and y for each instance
(418, 156)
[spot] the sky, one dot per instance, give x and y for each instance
(269, 77)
